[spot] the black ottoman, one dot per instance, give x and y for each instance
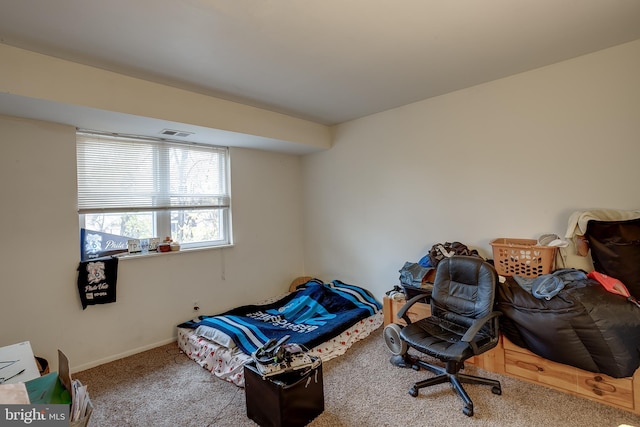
(292, 399)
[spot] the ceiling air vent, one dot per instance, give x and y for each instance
(179, 133)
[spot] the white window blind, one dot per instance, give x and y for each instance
(123, 174)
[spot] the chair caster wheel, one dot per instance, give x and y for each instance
(468, 411)
(413, 392)
(496, 390)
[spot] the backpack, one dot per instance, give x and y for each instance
(440, 251)
(615, 250)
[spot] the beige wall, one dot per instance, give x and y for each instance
(39, 253)
(511, 158)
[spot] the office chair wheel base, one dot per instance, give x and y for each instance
(496, 390)
(468, 411)
(413, 392)
(400, 361)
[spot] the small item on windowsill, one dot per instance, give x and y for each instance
(165, 246)
(144, 246)
(133, 246)
(153, 244)
(175, 246)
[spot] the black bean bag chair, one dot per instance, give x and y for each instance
(584, 326)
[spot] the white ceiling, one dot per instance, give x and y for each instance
(327, 61)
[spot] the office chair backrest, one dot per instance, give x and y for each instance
(463, 290)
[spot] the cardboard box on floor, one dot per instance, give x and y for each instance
(58, 387)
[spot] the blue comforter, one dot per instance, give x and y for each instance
(311, 315)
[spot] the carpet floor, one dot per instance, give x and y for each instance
(162, 387)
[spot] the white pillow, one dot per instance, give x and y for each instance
(216, 336)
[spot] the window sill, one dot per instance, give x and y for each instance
(127, 256)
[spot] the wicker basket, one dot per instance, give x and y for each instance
(521, 257)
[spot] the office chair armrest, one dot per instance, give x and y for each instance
(402, 314)
(477, 325)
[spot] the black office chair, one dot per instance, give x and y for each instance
(463, 323)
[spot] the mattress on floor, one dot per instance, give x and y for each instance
(228, 364)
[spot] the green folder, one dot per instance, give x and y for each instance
(47, 389)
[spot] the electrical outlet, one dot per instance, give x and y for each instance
(196, 306)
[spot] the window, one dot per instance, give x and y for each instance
(138, 188)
